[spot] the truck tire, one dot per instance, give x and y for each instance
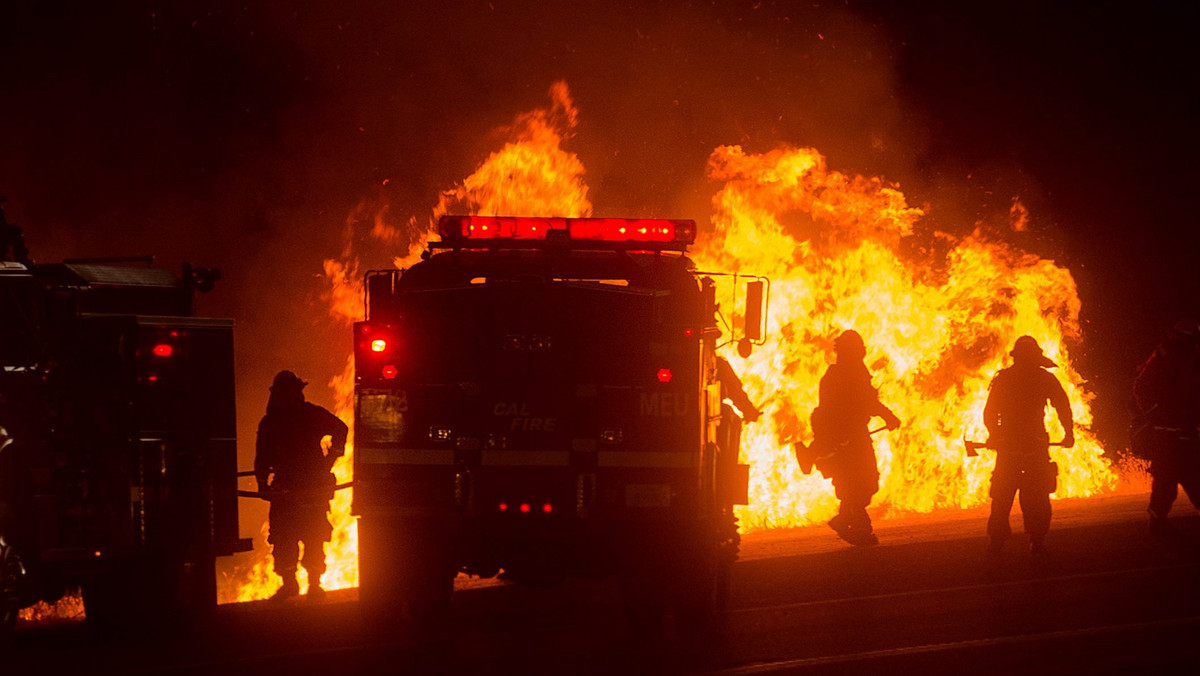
(406, 570)
(702, 597)
(645, 573)
(150, 596)
(645, 606)
(11, 577)
(701, 604)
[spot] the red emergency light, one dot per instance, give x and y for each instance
(376, 342)
(648, 230)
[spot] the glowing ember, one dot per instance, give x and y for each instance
(938, 326)
(69, 607)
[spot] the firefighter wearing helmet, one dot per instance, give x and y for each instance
(1015, 418)
(847, 403)
(1167, 396)
(294, 472)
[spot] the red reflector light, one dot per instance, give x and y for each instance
(525, 508)
(664, 375)
(378, 345)
(498, 227)
(389, 371)
(547, 508)
(163, 350)
(503, 507)
(632, 230)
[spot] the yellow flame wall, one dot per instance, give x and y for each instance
(937, 327)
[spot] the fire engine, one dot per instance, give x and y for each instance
(539, 397)
(118, 457)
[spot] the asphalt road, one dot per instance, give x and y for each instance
(928, 599)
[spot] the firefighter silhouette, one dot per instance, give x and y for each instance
(1167, 396)
(295, 473)
(1015, 418)
(846, 404)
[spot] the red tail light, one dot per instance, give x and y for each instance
(525, 508)
(378, 349)
(163, 350)
(664, 375)
(547, 508)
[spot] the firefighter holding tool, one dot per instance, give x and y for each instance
(295, 472)
(842, 441)
(1015, 415)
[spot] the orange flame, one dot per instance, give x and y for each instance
(69, 607)
(938, 326)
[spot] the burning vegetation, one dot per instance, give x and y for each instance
(939, 313)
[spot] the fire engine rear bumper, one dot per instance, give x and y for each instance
(382, 455)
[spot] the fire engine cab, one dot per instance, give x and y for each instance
(539, 397)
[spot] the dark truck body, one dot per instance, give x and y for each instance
(545, 409)
(119, 475)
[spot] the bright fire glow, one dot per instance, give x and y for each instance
(937, 326)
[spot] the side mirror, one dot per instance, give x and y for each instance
(744, 348)
(754, 312)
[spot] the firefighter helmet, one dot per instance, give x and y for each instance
(1027, 349)
(286, 380)
(850, 345)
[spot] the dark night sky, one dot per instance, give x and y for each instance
(240, 135)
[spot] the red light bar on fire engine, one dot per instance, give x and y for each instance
(648, 230)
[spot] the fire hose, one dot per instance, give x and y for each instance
(269, 495)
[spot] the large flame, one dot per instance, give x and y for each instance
(938, 324)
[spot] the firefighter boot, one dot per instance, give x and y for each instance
(1161, 527)
(289, 589)
(840, 525)
(863, 538)
(316, 593)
